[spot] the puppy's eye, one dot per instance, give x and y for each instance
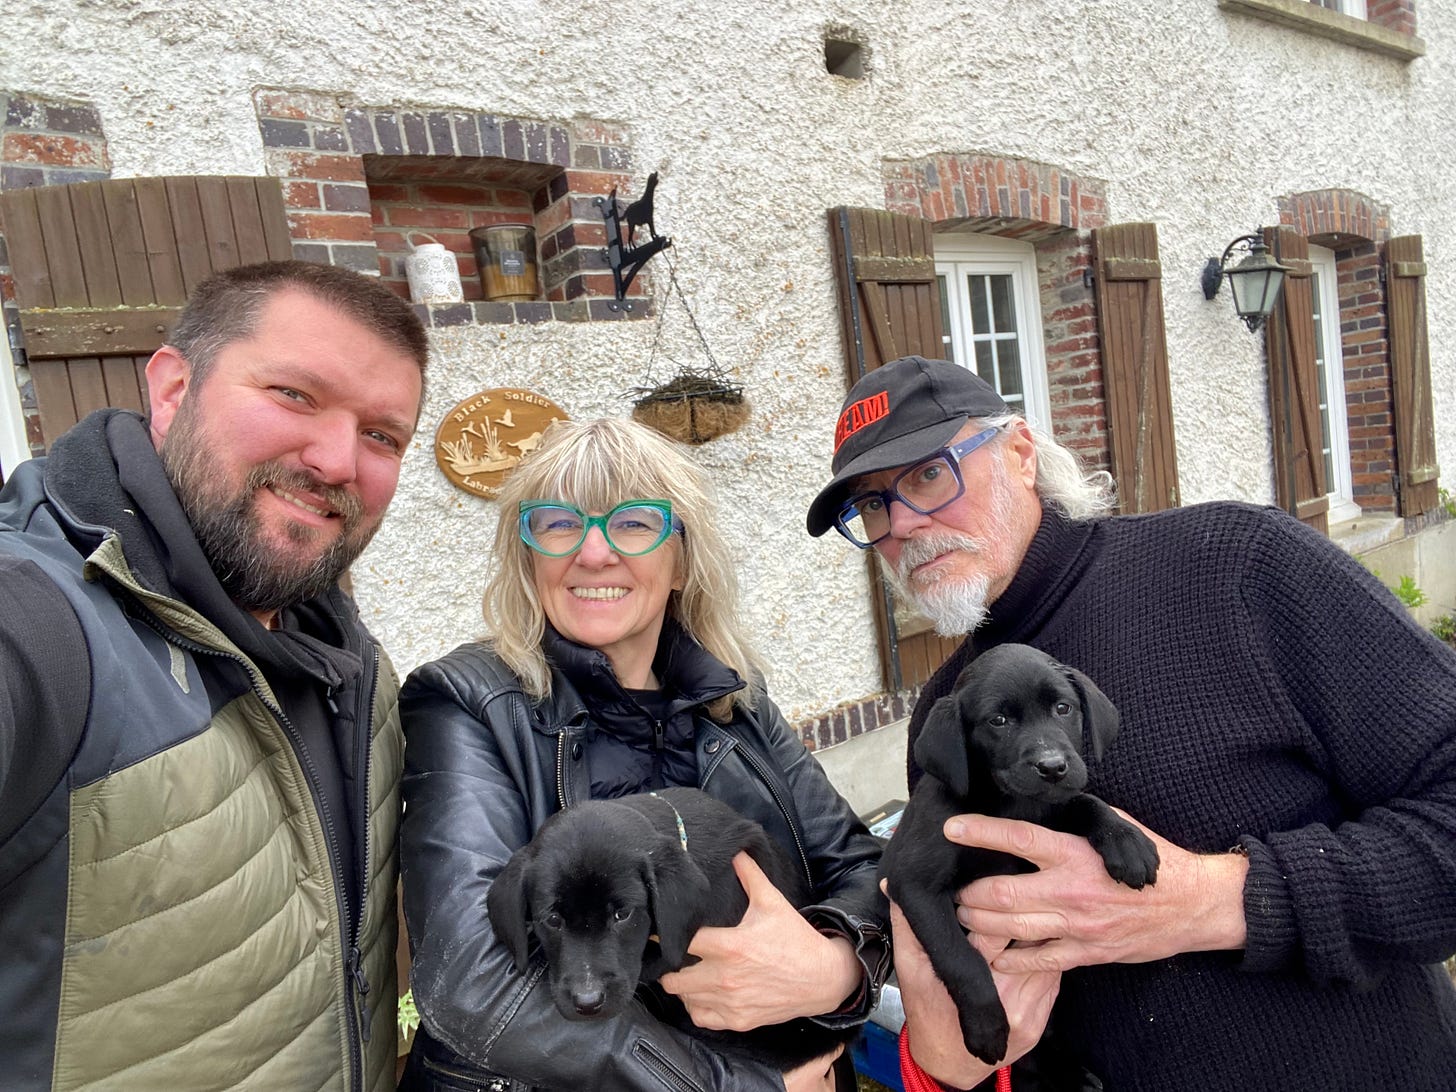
(1062, 709)
(553, 920)
(622, 913)
(998, 721)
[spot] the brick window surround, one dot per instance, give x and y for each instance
(357, 179)
(1357, 228)
(1054, 210)
(43, 142)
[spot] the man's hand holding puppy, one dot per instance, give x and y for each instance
(936, 1040)
(1071, 913)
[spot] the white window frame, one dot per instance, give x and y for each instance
(13, 447)
(1332, 362)
(1355, 8)
(958, 256)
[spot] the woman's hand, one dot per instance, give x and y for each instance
(1071, 913)
(936, 1042)
(813, 1076)
(770, 967)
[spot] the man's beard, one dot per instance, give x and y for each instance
(957, 604)
(257, 575)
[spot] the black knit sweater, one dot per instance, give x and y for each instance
(1272, 695)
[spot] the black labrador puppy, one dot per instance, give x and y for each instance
(613, 891)
(1008, 741)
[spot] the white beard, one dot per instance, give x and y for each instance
(957, 605)
(957, 609)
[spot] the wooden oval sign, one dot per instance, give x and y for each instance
(486, 435)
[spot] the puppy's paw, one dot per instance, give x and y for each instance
(986, 1031)
(1129, 855)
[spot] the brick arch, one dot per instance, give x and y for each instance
(1053, 210)
(1317, 214)
(951, 188)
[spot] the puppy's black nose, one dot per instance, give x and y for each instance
(1052, 768)
(588, 1002)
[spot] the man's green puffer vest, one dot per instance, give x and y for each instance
(169, 914)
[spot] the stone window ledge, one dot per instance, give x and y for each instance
(1363, 533)
(1312, 19)
(440, 315)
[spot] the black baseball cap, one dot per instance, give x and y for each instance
(896, 415)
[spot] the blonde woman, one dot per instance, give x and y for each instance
(615, 664)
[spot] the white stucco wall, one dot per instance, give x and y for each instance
(1194, 118)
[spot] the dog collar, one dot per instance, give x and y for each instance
(682, 831)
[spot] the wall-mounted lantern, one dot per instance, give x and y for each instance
(1255, 282)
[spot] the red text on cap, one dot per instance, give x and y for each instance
(859, 414)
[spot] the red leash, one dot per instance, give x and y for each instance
(916, 1079)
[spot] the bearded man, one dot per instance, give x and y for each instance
(199, 743)
(1285, 726)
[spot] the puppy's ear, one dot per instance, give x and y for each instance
(1099, 715)
(940, 749)
(510, 915)
(677, 894)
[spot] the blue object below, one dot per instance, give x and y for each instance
(876, 1055)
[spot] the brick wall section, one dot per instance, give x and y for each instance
(1053, 210)
(43, 142)
(1368, 396)
(1073, 348)
(343, 168)
(307, 146)
(46, 142)
(1396, 15)
(854, 718)
(1356, 228)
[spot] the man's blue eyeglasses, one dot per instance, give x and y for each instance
(926, 487)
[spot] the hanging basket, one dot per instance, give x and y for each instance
(692, 408)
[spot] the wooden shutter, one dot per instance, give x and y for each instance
(889, 307)
(1294, 414)
(1410, 376)
(102, 270)
(1128, 276)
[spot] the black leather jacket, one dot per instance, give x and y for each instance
(485, 766)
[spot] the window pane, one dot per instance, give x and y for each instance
(1008, 356)
(1003, 306)
(980, 320)
(985, 366)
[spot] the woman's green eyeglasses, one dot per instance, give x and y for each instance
(633, 528)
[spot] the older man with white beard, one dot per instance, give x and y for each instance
(1274, 698)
